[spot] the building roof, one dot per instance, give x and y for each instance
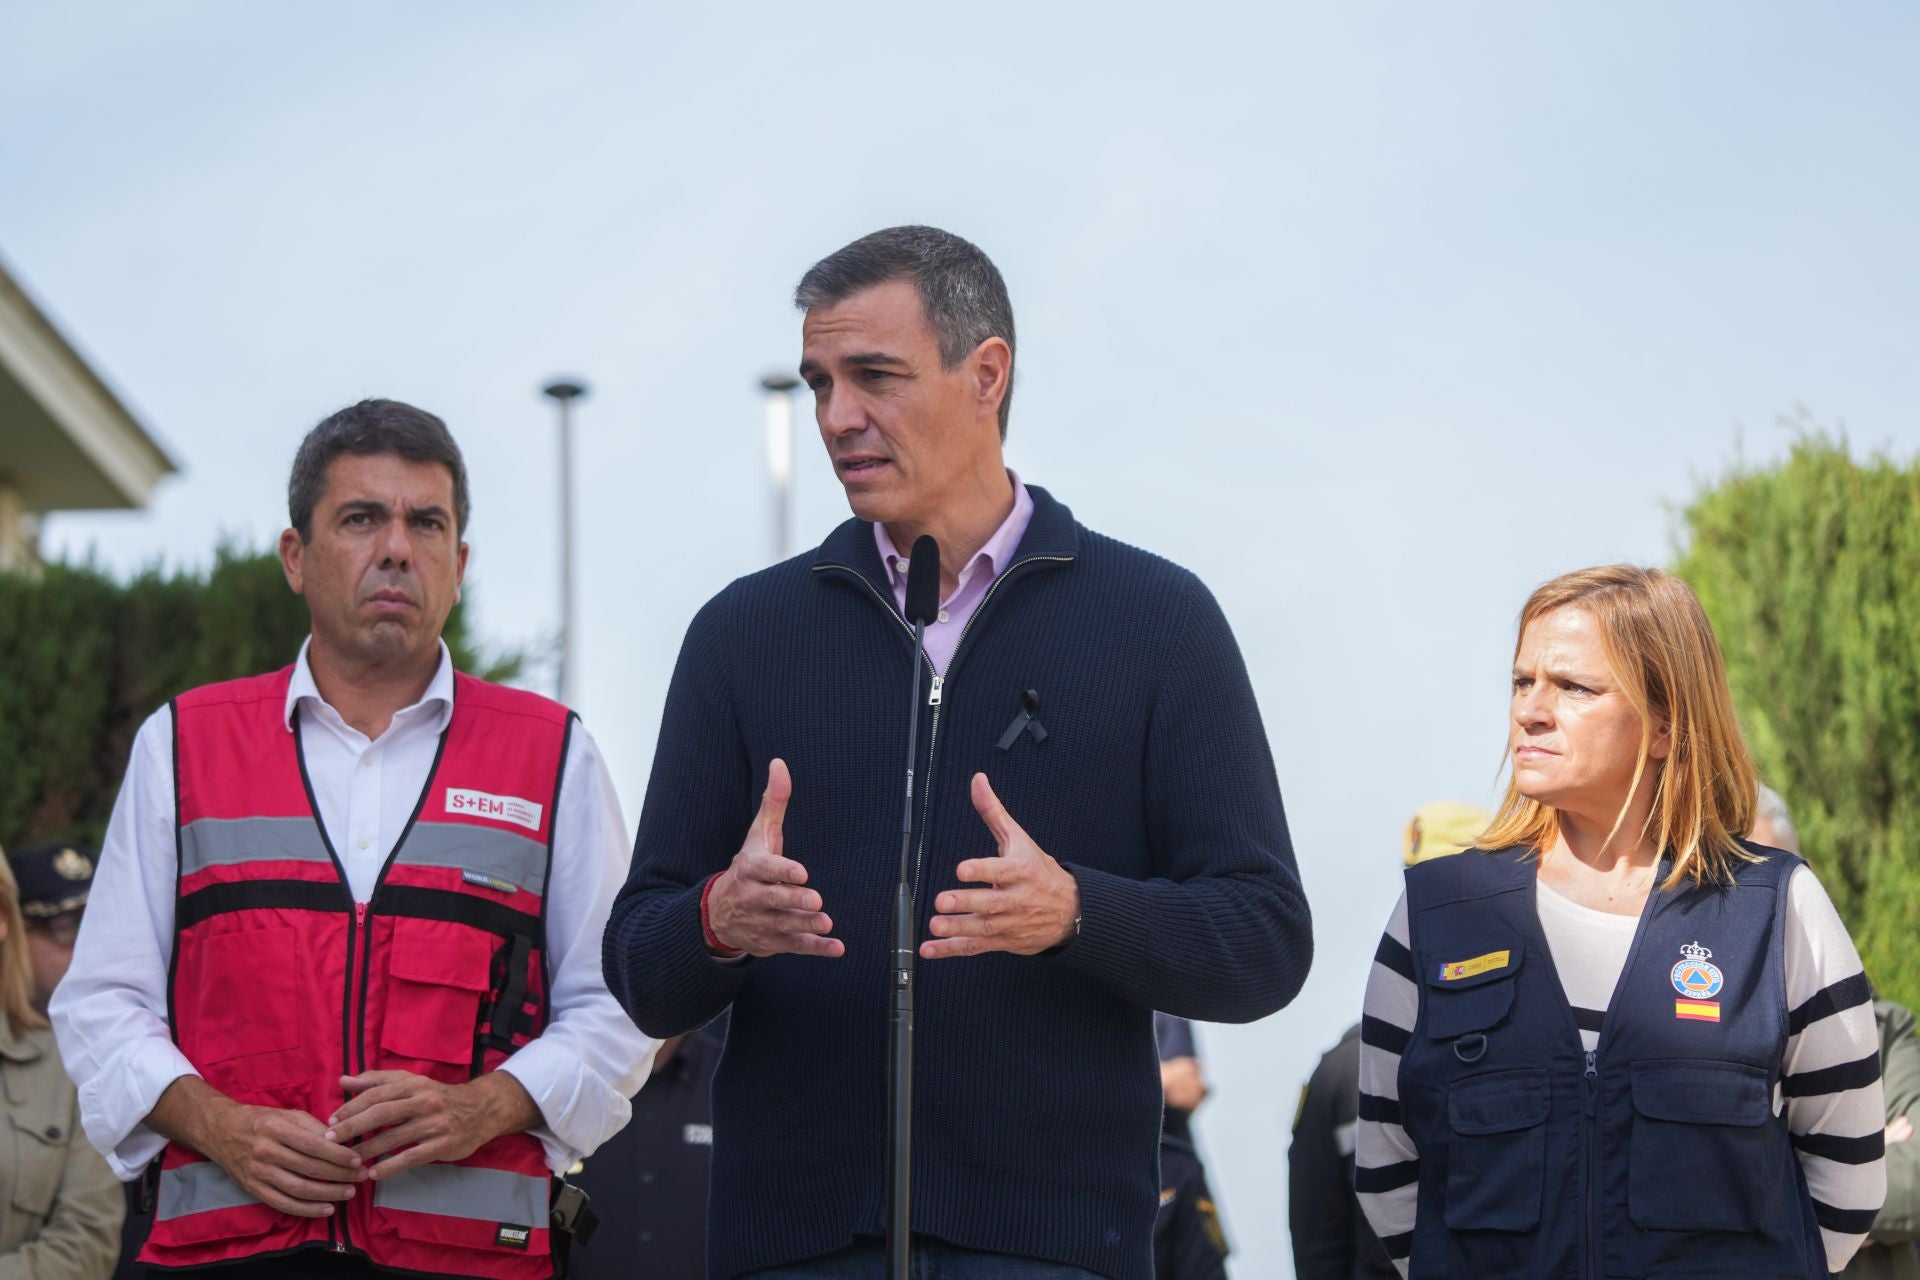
(68, 442)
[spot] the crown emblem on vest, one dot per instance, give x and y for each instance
(1697, 977)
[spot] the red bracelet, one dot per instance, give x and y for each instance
(714, 944)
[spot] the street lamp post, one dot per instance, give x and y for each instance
(779, 389)
(564, 392)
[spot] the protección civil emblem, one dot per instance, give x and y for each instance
(1697, 977)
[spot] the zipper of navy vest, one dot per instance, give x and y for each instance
(1592, 1081)
(1593, 1163)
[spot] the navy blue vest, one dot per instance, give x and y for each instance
(1659, 1154)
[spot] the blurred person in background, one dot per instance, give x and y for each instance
(1889, 1253)
(1621, 1041)
(1188, 1240)
(1331, 1238)
(1183, 1081)
(60, 1206)
(54, 880)
(649, 1181)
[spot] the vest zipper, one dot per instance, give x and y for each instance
(337, 1233)
(1591, 1263)
(360, 925)
(1593, 1137)
(337, 1224)
(338, 1239)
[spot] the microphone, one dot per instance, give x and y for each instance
(922, 607)
(923, 581)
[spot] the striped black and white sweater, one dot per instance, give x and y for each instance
(1830, 1076)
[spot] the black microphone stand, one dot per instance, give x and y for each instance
(900, 1057)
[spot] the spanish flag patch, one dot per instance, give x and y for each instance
(1697, 1010)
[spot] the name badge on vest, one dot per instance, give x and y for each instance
(1698, 981)
(1461, 970)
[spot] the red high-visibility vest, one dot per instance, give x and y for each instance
(281, 983)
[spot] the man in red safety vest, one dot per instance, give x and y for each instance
(340, 971)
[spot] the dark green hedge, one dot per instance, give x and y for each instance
(85, 658)
(1810, 571)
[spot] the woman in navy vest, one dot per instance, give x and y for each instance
(1616, 1040)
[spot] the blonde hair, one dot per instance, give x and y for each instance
(1662, 650)
(16, 971)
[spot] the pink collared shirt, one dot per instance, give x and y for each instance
(988, 563)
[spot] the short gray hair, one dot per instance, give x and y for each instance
(1770, 806)
(366, 429)
(961, 292)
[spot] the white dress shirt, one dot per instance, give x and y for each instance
(110, 1012)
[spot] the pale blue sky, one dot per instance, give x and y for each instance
(1375, 316)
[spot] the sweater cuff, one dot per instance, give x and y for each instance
(685, 986)
(1113, 919)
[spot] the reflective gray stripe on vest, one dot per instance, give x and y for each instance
(484, 850)
(456, 1191)
(225, 842)
(198, 1188)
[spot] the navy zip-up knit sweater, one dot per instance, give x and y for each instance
(1037, 1089)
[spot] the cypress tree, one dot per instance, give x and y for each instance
(1810, 571)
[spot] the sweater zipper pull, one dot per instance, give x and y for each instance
(933, 694)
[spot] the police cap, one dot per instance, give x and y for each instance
(54, 878)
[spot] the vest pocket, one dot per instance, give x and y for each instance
(1699, 1158)
(241, 994)
(1473, 994)
(1496, 1158)
(1451, 1014)
(437, 973)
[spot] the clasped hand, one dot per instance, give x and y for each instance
(761, 904)
(409, 1120)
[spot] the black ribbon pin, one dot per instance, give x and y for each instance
(1027, 722)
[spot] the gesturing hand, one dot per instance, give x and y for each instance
(758, 904)
(424, 1120)
(1031, 906)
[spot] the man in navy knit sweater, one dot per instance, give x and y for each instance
(1100, 832)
